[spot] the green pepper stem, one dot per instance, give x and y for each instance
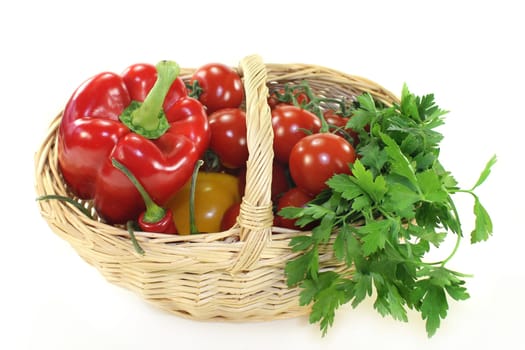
(154, 213)
(71, 201)
(148, 118)
(146, 115)
(131, 230)
(193, 225)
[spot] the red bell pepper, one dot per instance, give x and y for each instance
(144, 119)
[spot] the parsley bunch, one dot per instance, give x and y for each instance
(386, 216)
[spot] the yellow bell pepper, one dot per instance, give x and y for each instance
(214, 194)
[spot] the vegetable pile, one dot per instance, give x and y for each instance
(131, 143)
(160, 154)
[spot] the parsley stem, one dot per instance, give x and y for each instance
(471, 192)
(456, 247)
(460, 190)
(459, 234)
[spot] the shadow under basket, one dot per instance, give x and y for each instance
(234, 275)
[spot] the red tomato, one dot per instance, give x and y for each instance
(230, 216)
(228, 136)
(279, 180)
(295, 197)
(280, 183)
(316, 158)
(290, 124)
(339, 122)
(222, 86)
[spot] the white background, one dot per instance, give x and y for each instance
(470, 56)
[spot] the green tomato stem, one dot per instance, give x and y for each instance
(195, 90)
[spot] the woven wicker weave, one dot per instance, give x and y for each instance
(235, 275)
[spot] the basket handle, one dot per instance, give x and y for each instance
(256, 216)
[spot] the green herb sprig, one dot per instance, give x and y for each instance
(387, 215)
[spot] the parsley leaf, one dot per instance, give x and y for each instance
(374, 235)
(431, 187)
(374, 188)
(373, 157)
(483, 227)
(297, 269)
(486, 172)
(399, 163)
(364, 115)
(434, 307)
(328, 297)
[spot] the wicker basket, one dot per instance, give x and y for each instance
(235, 275)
